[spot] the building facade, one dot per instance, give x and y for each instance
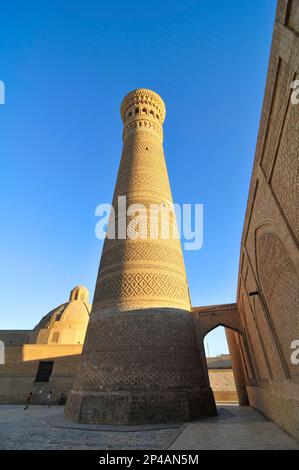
(45, 358)
(268, 289)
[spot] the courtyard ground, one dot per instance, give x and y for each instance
(234, 428)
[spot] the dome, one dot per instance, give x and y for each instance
(65, 324)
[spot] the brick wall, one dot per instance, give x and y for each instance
(269, 261)
(223, 385)
(17, 376)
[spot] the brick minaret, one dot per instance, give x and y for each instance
(141, 362)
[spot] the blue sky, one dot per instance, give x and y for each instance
(66, 67)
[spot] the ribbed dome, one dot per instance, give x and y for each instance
(65, 324)
(49, 319)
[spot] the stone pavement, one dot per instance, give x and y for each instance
(234, 428)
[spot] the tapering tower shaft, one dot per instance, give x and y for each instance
(141, 362)
(143, 266)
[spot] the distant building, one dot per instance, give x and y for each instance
(65, 324)
(47, 356)
(219, 362)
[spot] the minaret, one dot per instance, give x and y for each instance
(141, 362)
(142, 273)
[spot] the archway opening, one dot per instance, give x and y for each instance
(220, 367)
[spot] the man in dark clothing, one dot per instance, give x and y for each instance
(28, 401)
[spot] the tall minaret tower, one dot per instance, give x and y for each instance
(141, 362)
(142, 272)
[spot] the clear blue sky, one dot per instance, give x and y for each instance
(66, 66)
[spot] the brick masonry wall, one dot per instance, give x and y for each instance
(223, 384)
(280, 408)
(17, 376)
(269, 261)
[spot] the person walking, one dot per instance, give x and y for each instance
(62, 399)
(29, 398)
(49, 398)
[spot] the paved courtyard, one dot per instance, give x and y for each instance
(234, 428)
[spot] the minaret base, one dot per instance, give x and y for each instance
(146, 369)
(137, 408)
